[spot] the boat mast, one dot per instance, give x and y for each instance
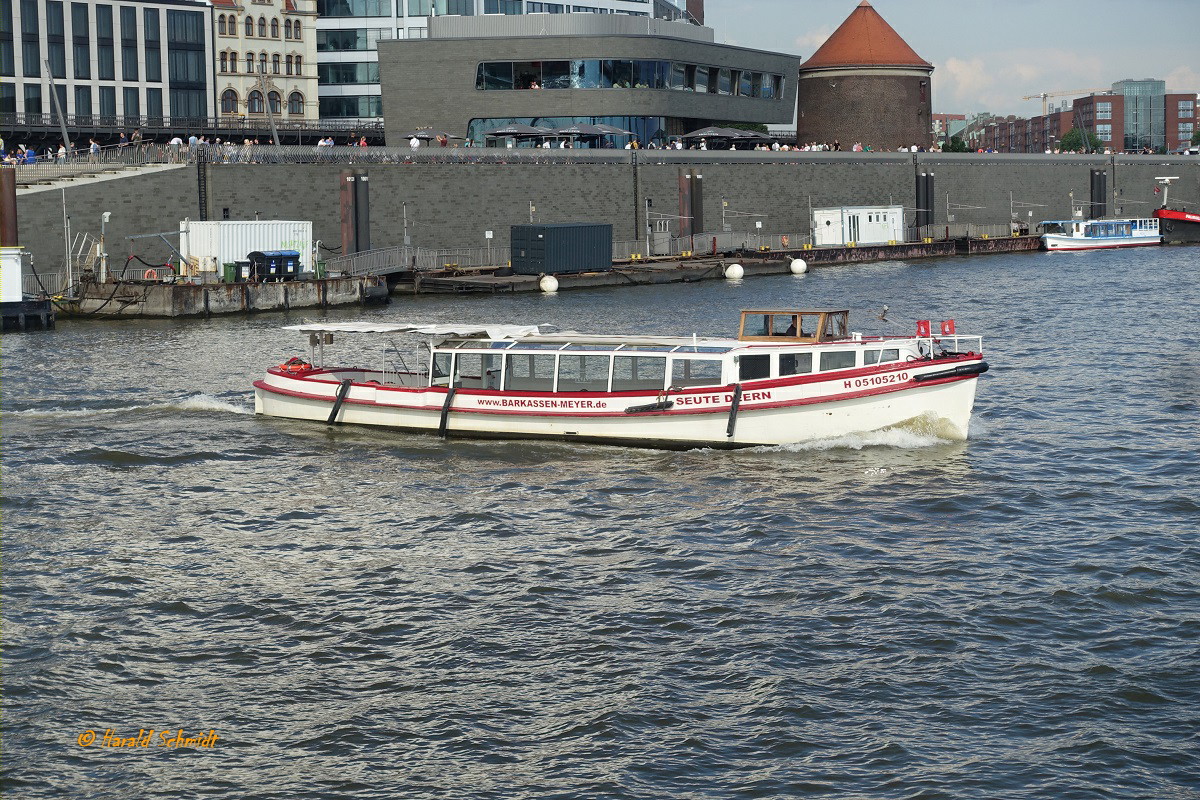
(1166, 184)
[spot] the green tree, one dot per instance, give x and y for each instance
(1073, 140)
(957, 145)
(1196, 137)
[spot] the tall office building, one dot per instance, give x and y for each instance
(108, 62)
(349, 30)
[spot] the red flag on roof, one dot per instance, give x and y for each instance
(947, 327)
(922, 327)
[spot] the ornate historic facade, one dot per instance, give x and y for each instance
(274, 39)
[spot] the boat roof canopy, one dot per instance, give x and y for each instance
(432, 329)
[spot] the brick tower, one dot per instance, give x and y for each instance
(865, 84)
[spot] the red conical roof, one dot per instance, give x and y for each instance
(864, 40)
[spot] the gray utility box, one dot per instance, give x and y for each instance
(562, 247)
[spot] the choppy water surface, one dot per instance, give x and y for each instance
(360, 613)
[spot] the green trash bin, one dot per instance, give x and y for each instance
(320, 269)
(229, 273)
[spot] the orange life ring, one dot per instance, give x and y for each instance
(295, 365)
(150, 275)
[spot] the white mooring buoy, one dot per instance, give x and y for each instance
(799, 266)
(548, 284)
(734, 272)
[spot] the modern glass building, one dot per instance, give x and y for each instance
(1145, 113)
(348, 32)
(108, 62)
(658, 79)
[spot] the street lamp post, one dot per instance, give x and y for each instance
(104, 218)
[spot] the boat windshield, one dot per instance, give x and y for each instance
(1053, 227)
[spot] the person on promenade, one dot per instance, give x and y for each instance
(93, 151)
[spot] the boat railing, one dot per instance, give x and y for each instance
(954, 344)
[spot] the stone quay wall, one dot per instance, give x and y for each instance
(452, 204)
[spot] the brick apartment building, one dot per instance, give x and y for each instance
(1135, 116)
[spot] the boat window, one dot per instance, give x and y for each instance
(633, 373)
(477, 371)
(752, 368)
(588, 347)
(783, 325)
(439, 375)
(795, 363)
(582, 373)
(695, 372)
(838, 359)
(540, 346)
(690, 349)
(835, 326)
(880, 356)
(650, 348)
(526, 372)
(758, 325)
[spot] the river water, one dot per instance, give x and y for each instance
(359, 613)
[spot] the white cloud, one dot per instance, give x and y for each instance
(809, 42)
(1183, 79)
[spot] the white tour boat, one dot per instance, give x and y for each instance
(790, 376)
(1097, 234)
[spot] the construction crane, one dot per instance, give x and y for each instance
(1044, 95)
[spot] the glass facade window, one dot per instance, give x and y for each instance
(29, 17)
(351, 106)
(129, 62)
(185, 67)
(129, 96)
(1104, 133)
(274, 29)
(54, 18)
(1186, 130)
(83, 101)
(544, 8)
(348, 73)
(57, 53)
(154, 106)
(351, 39)
(249, 26)
(33, 99)
(106, 61)
(645, 129)
(129, 24)
(229, 102)
(82, 58)
(625, 74)
(296, 103)
(463, 8)
(500, 6)
(80, 27)
(108, 102)
(1187, 109)
(150, 19)
(221, 29)
(8, 98)
(356, 8)
(275, 64)
(8, 59)
(31, 60)
(1103, 110)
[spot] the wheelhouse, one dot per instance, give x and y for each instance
(821, 325)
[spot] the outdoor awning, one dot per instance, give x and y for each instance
(583, 129)
(520, 129)
(431, 329)
(428, 133)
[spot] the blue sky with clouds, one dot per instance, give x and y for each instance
(988, 55)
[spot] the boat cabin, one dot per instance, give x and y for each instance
(795, 325)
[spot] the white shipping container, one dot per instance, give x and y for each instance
(858, 224)
(228, 241)
(12, 264)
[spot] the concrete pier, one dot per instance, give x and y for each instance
(131, 299)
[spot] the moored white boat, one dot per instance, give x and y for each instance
(1099, 234)
(790, 376)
